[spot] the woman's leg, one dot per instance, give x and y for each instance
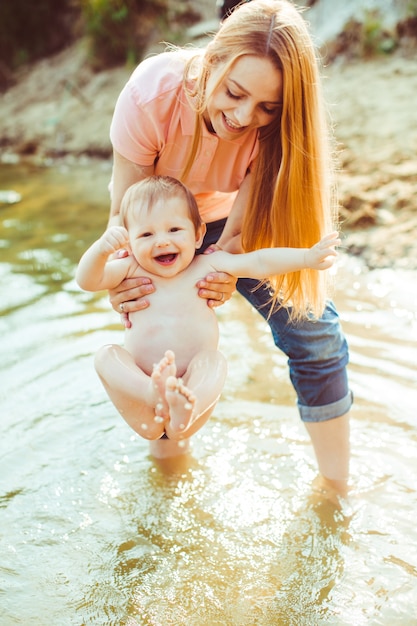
(317, 357)
(331, 445)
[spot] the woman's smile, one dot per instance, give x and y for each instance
(232, 126)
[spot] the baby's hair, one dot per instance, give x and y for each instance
(147, 192)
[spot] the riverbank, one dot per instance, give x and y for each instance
(59, 109)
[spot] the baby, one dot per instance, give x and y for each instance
(166, 380)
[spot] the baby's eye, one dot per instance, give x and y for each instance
(145, 235)
(174, 229)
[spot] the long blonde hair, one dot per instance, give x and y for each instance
(292, 201)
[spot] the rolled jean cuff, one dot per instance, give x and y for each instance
(327, 411)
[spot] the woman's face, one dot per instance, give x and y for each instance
(250, 96)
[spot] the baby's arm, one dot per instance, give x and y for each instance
(260, 264)
(95, 272)
(322, 255)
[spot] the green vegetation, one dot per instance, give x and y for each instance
(375, 38)
(118, 30)
(30, 30)
(412, 8)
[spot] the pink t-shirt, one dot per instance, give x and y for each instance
(153, 123)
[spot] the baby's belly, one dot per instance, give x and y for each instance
(148, 342)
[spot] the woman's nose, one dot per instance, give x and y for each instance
(244, 114)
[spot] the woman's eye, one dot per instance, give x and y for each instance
(269, 111)
(232, 95)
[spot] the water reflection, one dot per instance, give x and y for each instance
(196, 553)
(94, 532)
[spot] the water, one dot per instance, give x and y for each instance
(94, 532)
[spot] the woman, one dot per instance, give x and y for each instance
(242, 124)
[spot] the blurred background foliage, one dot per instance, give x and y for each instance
(30, 30)
(121, 30)
(118, 30)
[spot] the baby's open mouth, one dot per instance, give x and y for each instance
(166, 259)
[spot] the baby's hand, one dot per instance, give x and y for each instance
(115, 238)
(322, 255)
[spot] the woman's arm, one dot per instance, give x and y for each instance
(230, 237)
(125, 174)
(218, 287)
(132, 291)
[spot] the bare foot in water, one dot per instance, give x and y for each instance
(181, 402)
(166, 368)
(334, 491)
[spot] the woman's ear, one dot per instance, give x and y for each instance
(199, 235)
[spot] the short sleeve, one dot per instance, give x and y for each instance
(145, 109)
(133, 132)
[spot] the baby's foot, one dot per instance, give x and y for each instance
(163, 370)
(181, 402)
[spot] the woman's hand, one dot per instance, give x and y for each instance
(216, 287)
(129, 296)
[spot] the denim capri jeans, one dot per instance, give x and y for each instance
(317, 350)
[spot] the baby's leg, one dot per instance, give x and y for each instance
(132, 391)
(192, 400)
(181, 402)
(161, 371)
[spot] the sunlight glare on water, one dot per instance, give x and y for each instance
(94, 531)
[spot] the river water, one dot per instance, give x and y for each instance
(93, 531)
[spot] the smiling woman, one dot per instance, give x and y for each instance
(242, 123)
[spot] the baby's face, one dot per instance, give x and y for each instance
(163, 240)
